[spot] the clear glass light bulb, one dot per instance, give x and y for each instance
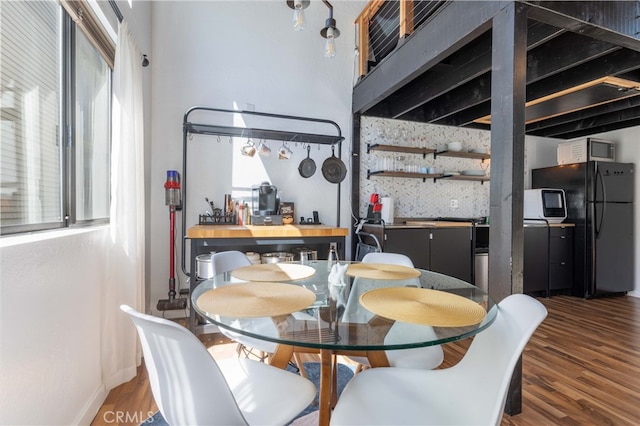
(299, 21)
(330, 46)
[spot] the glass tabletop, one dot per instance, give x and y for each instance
(338, 320)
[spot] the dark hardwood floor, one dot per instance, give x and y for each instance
(581, 367)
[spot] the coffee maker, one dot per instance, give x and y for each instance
(265, 205)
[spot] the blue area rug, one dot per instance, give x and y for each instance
(345, 373)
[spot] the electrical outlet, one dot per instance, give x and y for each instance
(454, 203)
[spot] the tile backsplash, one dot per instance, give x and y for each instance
(413, 197)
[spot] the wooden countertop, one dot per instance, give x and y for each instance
(424, 224)
(273, 231)
(438, 224)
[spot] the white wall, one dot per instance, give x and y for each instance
(229, 55)
(50, 327)
(50, 311)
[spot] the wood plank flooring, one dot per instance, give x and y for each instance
(581, 367)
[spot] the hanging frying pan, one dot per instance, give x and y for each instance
(333, 169)
(307, 166)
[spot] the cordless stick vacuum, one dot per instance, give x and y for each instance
(172, 199)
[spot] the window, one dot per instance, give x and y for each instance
(55, 121)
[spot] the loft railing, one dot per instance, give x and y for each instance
(383, 24)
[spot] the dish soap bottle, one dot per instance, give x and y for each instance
(332, 257)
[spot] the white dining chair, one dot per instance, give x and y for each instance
(191, 388)
(226, 261)
(473, 392)
(428, 357)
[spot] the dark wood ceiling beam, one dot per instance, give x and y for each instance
(608, 120)
(565, 123)
(429, 87)
(608, 128)
(592, 130)
(455, 101)
(539, 33)
(562, 53)
(615, 22)
(426, 47)
(617, 63)
(469, 62)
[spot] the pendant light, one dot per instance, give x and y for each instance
(298, 7)
(330, 32)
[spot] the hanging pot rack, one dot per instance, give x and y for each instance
(197, 128)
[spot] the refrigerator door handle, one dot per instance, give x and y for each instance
(600, 180)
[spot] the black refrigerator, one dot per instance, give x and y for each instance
(599, 199)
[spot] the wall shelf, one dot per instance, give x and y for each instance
(481, 179)
(257, 134)
(425, 176)
(389, 173)
(424, 152)
(396, 148)
(462, 154)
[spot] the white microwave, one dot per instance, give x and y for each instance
(583, 150)
(545, 204)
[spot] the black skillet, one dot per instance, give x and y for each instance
(307, 166)
(333, 169)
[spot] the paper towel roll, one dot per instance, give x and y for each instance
(387, 209)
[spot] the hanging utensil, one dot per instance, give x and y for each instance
(307, 166)
(333, 169)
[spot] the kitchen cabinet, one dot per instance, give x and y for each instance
(535, 268)
(414, 243)
(560, 259)
(424, 152)
(548, 259)
(444, 250)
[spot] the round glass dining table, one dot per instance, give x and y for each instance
(343, 309)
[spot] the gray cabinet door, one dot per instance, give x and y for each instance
(561, 259)
(412, 242)
(452, 252)
(535, 275)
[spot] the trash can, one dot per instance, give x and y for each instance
(482, 269)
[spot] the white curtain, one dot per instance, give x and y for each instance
(125, 276)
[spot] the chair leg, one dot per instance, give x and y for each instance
(359, 368)
(300, 364)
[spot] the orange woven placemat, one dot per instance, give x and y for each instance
(273, 272)
(423, 306)
(382, 271)
(256, 299)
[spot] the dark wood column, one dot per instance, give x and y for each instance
(507, 150)
(508, 80)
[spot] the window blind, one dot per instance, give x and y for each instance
(30, 79)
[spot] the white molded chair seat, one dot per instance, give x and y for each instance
(473, 392)
(226, 261)
(389, 258)
(428, 357)
(191, 388)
